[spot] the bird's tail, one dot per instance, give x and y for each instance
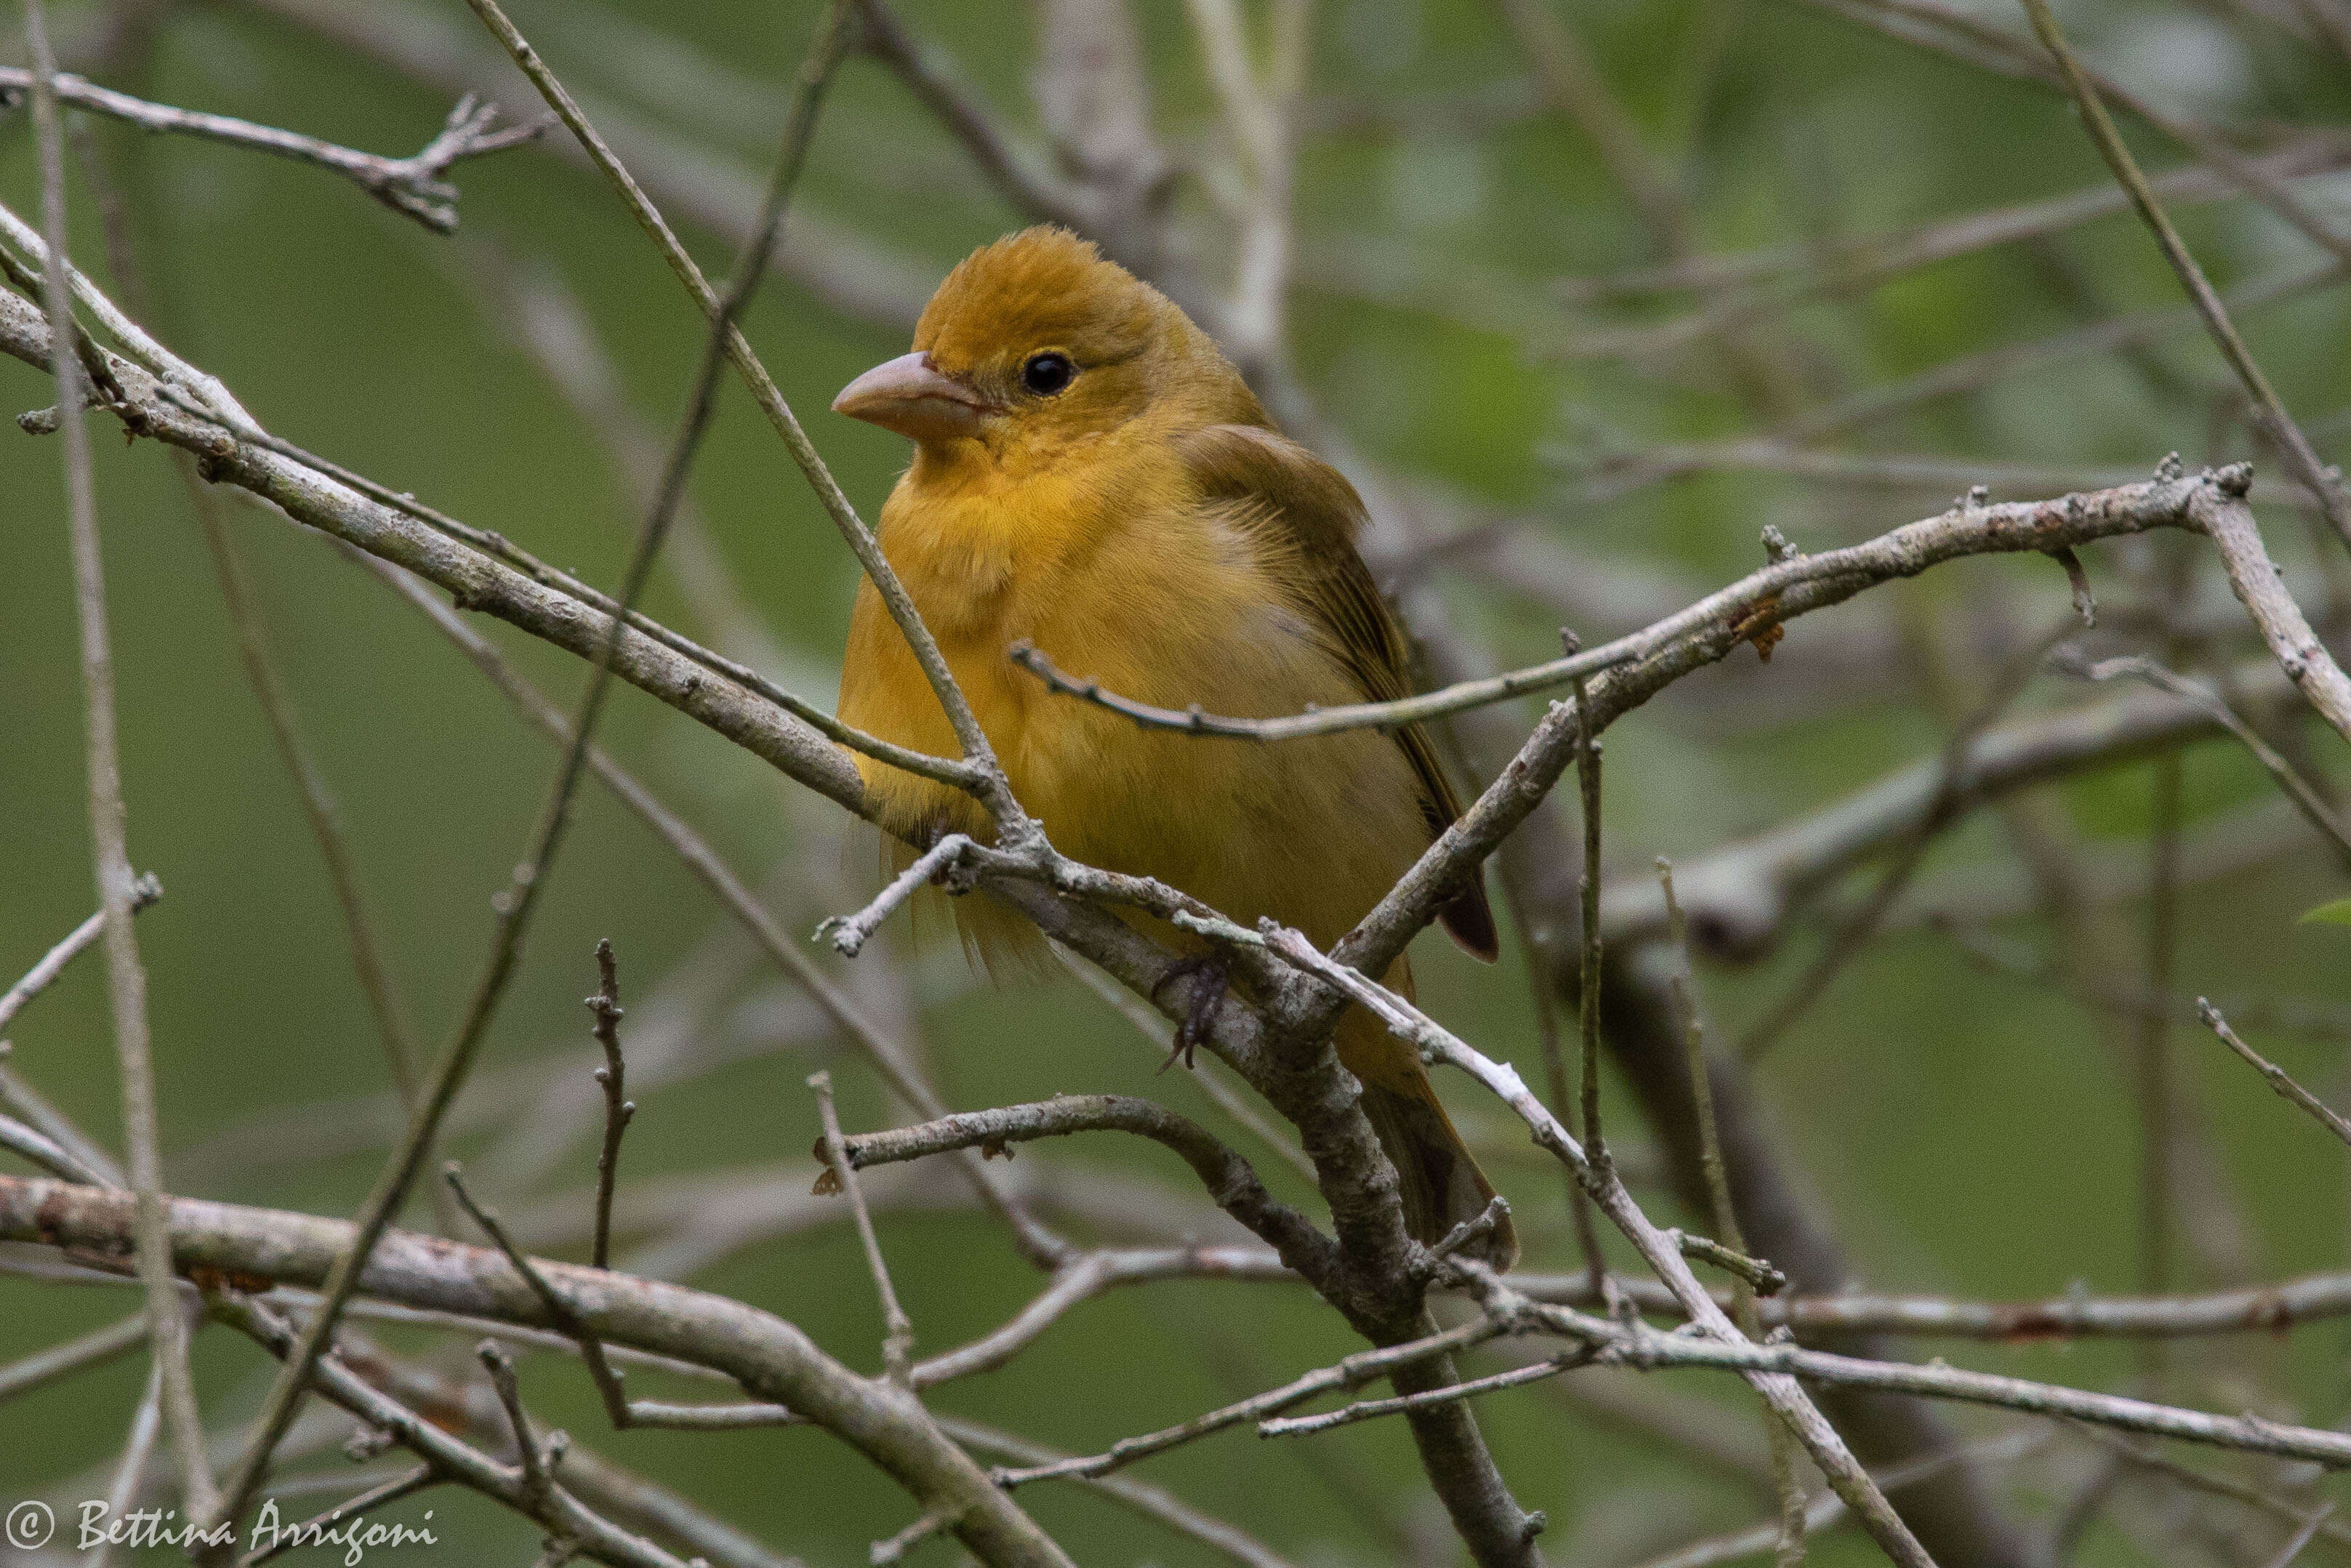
(1442, 1184)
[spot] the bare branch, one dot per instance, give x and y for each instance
(897, 1329)
(1740, 897)
(605, 1008)
(552, 1507)
(1086, 1276)
(2297, 789)
(1228, 1179)
(939, 863)
(931, 75)
(1724, 1213)
(1141, 1496)
(1647, 1348)
(622, 1411)
(2285, 1086)
(771, 1359)
(1365, 1410)
(95, 1348)
(29, 1145)
(145, 889)
(1356, 1369)
(54, 1125)
(1714, 626)
(2228, 522)
(2281, 428)
(1650, 659)
(1786, 1399)
(1851, 934)
(411, 185)
(1587, 779)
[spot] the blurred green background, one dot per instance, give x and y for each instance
(1964, 1132)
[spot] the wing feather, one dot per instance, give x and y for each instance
(1287, 488)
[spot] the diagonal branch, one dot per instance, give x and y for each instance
(145, 889)
(2286, 1087)
(1228, 1179)
(1786, 1398)
(1711, 629)
(2282, 430)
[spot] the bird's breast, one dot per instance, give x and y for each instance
(1170, 606)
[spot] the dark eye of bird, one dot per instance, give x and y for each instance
(1047, 373)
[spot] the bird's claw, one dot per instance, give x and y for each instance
(1207, 973)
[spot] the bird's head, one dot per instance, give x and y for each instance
(1036, 344)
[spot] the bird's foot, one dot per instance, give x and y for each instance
(1209, 980)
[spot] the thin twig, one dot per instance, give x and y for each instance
(393, 1029)
(2278, 1079)
(945, 769)
(894, 1549)
(2300, 1537)
(1828, 1509)
(2258, 586)
(605, 1008)
(1790, 1546)
(145, 889)
(1587, 775)
(1851, 932)
(931, 75)
(538, 1484)
(1365, 1410)
(2281, 428)
(138, 1453)
(622, 1411)
(2298, 790)
(95, 1348)
(555, 1508)
(1228, 1179)
(1338, 716)
(897, 1329)
(849, 932)
(1141, 1496)
(410, 185)
(27, 1143)
(126, 977)
(1786, 1397)
(1363, 1366)
(54, 1124)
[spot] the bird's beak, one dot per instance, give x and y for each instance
(908, 395)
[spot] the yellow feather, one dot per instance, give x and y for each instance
(1089, 523)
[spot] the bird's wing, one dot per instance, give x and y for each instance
(1318, 512)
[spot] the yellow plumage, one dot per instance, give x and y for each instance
(1143, 525)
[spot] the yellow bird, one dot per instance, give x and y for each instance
(1092, 475)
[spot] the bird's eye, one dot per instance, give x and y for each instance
(1047, 373)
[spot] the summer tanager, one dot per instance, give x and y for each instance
(1092, 475)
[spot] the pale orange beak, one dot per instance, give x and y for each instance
(908, 395)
